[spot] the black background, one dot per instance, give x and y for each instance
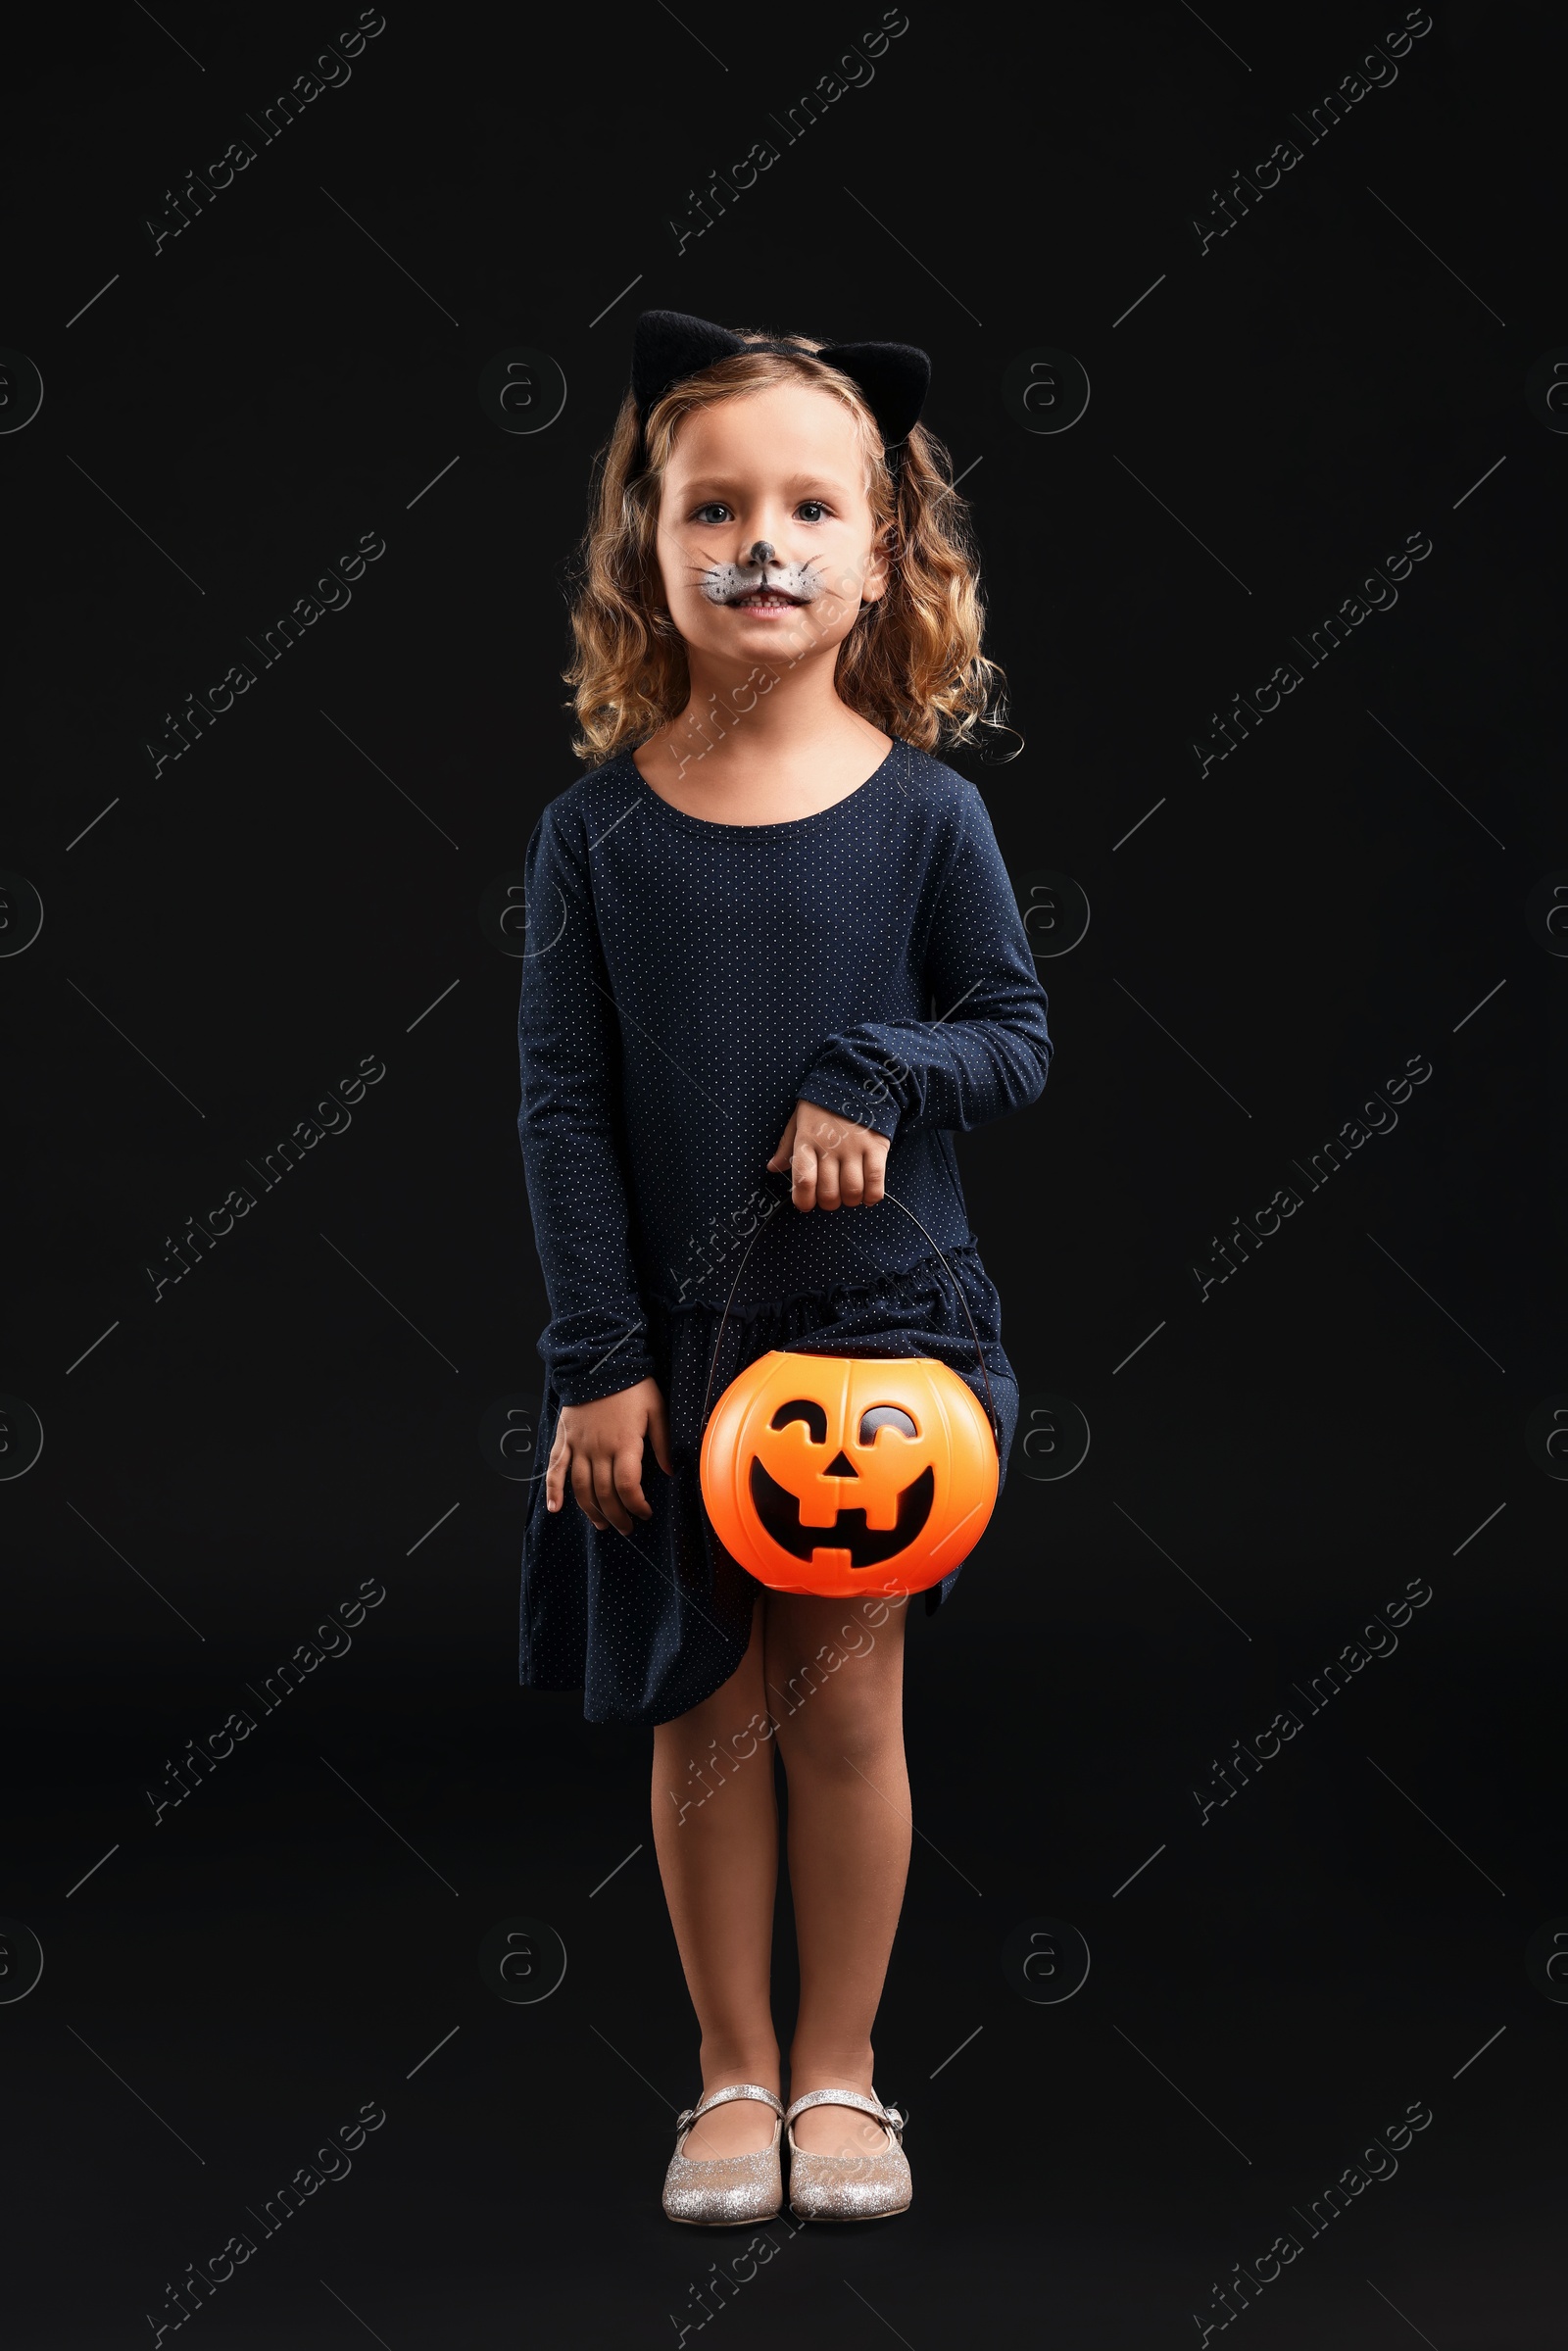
(299, 366)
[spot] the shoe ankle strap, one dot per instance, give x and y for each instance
(722, 2097)
(890, 2115)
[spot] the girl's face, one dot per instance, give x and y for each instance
(765, 534)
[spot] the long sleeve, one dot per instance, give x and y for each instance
(987, 1049)
(570, 1123)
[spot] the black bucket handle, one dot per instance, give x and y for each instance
(995, 1425)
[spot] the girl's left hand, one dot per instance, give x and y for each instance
(832, 1161)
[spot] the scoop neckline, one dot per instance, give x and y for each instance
(781, 825)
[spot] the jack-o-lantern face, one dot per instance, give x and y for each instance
(840, 1474)
(875, 1480)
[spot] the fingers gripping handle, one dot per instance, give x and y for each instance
(991, 1402)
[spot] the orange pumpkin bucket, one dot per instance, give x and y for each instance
(843, 1473)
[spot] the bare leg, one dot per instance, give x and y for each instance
(716, 1832)
(835, 1679)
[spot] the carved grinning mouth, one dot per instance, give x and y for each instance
(780, 1513)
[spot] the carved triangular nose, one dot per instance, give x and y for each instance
(841, 1467)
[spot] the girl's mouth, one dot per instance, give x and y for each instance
(764, 599)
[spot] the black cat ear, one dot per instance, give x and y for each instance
(894, 377)
(668, 346)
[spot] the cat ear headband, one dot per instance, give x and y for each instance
(668, 346)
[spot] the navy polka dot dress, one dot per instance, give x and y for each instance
(684, 984)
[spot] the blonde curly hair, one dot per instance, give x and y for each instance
(911, 662)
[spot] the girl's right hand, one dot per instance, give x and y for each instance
(602, 1444)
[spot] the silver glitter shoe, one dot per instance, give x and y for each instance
(725, 2191)
(849, 2187)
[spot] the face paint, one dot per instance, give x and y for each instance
(725, 583)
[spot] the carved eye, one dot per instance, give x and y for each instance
(812, 1413)
(885, 1416)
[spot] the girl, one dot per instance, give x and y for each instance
(770, 937)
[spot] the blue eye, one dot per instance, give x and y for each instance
(715, 510)
(810, 510)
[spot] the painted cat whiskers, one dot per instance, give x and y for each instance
(723, 583)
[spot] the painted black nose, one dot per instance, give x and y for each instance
(761, 553)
